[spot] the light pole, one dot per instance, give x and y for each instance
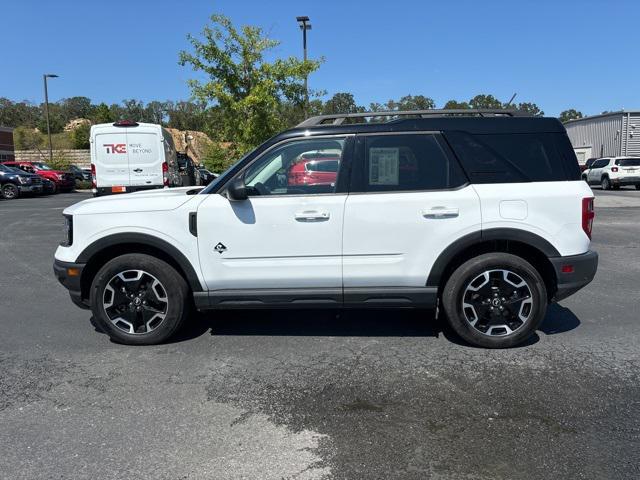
(46, 110)
(304, 24)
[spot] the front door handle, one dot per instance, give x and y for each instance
(440, 212)
(312, 216)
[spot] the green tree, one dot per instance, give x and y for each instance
(341, 102)
(102, 114)
(485, 101)
(411, 102)
(455, 105)
(75, 107)
(570, 114)
(249, 90)
(531, 108)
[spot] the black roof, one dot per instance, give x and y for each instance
(473, 125)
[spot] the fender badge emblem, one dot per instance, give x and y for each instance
(220, 248)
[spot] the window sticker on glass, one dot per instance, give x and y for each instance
(384, 166)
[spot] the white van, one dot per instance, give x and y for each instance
(128, 156)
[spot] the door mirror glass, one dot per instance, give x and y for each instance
(237, 190)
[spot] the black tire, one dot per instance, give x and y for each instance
(637, 187)
(605, 183)
(584, 178)
(54, 188)
(456, 288)
(173, 286)
(10, 191)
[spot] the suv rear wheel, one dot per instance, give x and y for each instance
(495, 300)
(138, 299)
(605, 183)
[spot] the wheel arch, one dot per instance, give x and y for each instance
(530, 246)
(101, 251)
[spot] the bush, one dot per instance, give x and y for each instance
(59, 162)
(26, 138)
(83, 184)
(218, 157)
(80, 136)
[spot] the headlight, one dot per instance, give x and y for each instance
(24, 180)
(68, 231)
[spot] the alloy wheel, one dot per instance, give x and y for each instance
(9, 191)
(497, 302)
(135, 302)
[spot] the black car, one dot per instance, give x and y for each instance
(206, 176)
(80, 174)
(15, 182)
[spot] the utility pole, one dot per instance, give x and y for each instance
(46, 110)
(304, 24)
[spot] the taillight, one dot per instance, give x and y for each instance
(614, 169)
(587, 215)
(165, 174)
(94, 184)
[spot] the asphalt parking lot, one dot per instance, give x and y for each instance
(317, 394)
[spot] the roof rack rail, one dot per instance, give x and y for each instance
(339, 118)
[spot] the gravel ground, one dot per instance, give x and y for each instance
(317, 394)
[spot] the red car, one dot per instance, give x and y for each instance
(313, 170)
(63, 181)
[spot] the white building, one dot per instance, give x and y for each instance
(608, 135)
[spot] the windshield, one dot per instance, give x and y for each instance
(628, 162)
(42, 166)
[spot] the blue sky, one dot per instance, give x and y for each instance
(558, 54)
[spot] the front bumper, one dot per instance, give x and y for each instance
(583, 270)
(72, 283)
(30, 188)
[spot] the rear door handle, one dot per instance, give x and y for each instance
(312, 216)
(440, 212)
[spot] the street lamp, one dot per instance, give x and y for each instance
(304, 24)
(46, 110)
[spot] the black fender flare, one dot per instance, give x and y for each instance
(475, 238)
(144, 239)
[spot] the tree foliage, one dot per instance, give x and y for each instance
(570, 114)
(248, 90)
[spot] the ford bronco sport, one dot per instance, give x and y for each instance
(481, 212)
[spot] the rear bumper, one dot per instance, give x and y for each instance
(71, 283)
(584, 269)
(626, 181)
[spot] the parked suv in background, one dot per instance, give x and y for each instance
(614, 172)
(79, 174)
(63, 181)
(314, 169)
(480, 211)
(14, 182)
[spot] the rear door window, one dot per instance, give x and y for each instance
(405, 162)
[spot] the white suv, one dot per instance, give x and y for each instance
(613, 172)
(482, 211)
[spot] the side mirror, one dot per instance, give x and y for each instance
(237, 190)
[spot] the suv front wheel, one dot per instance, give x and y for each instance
(495, 300)
(138, 299)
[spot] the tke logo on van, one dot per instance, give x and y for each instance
(115, 147)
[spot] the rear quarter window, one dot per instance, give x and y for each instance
(515, 157)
